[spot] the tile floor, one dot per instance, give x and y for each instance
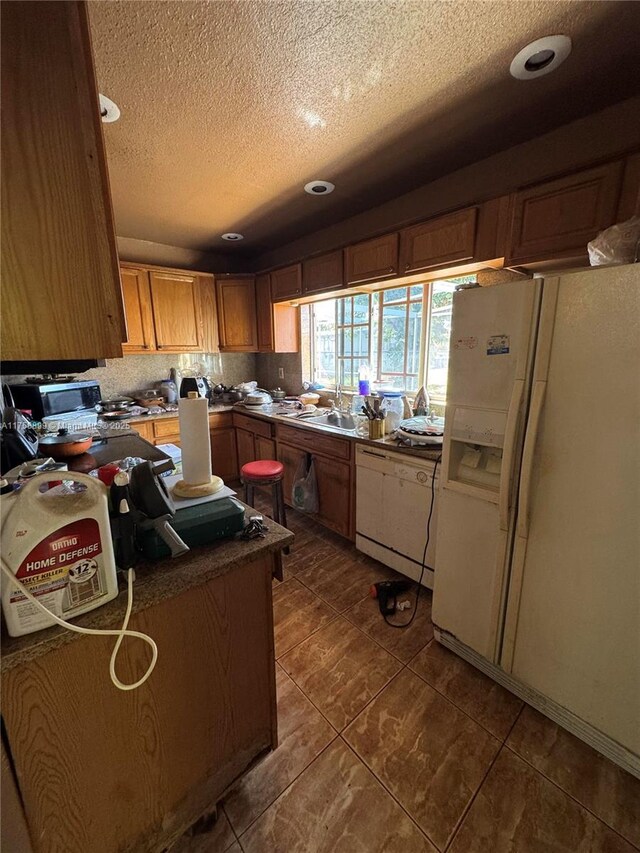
(389, 742)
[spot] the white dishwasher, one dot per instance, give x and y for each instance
(393, 499)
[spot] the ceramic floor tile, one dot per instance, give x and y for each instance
(341, 580)
(335, 806)
(308, 553)
(401, 642)
(471, 690)
(297, 612)
(218, 839)
(517, 809)
(604, 788)
(430, 755)
(302, 734)
(340, 670)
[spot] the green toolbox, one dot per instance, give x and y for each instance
(196, 525)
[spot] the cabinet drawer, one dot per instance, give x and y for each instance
(557, 219)
(220, 420)
(372, 260)
(315, 442)
(442, 241)
(252, 424)
(166, 426)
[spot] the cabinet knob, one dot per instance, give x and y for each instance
(159, 346)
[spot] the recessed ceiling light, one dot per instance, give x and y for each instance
(540, 57)
(232, 236)
(108, 110)
(319, 187)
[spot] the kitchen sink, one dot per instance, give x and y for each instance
(338, 420)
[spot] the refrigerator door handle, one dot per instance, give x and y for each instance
(506, 471)
(537, 402)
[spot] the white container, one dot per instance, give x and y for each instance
(58, 544)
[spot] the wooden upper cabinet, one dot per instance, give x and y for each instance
(323, 273)
(372, 260)
(264, 313)
(236, 298)
(556, 220)
(60, 277)
(278, 324)
(141, 336)
(443, 241)
(176, 311)
(209, 312)
(286, 283)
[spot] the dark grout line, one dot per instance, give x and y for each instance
(567, 794)
(390, 793)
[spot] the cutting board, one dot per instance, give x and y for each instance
(181, 503)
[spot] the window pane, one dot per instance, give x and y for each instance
(395, 295)
(413, 337)
(393, 339)
(347, 335)
(361, 308)
(346, 310)
(439, 334)
(415, 292)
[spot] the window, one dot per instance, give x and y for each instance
(402, 333)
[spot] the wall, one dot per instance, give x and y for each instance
(267, 365)
(135, 373)
(146, 252)
(600, 136)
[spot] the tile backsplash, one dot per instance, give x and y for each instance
(135, 373)
(268, 365)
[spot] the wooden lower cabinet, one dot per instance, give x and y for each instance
(103, 770)
(224, 456)
(265, 448)
(245, 441)
(334, 479)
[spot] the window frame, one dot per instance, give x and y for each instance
(425, 332)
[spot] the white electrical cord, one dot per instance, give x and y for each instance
(119, 633)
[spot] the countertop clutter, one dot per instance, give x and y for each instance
(155, 582)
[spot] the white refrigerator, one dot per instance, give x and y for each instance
(537, 579)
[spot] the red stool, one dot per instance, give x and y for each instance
(266, 472)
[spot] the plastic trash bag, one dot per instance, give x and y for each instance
(616, 245)
(304, 495)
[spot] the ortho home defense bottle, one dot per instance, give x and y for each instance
(58, 544)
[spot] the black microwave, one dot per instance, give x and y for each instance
(46, 398)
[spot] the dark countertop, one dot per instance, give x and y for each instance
(155, 582)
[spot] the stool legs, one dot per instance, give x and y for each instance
(279, 511)
(249, 494)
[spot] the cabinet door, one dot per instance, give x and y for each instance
(237, 314)
(246, 447)
(176, 311)
(224, 459)
(324, 273)
(334, 493)
(442, 241)
(264, 313)
(209, 312)
(144, 430)
(557, 219)
(141, 337)
(290, 458)
(372, 260)
(60, 278)
(286, 283)
(265, 448)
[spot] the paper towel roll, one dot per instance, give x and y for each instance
(194, 439)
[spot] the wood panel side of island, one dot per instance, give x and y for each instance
(104, 770)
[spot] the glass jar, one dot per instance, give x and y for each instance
(362, 425)
(394, 407)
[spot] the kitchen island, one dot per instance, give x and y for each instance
(104, 770)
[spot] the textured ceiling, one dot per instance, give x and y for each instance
(229, 108)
